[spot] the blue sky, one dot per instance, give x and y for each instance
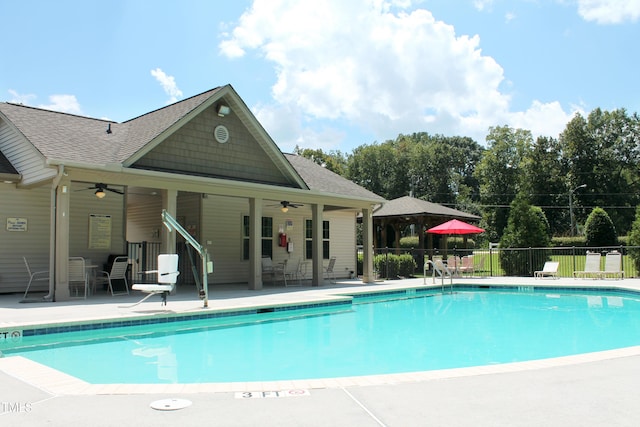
(333, 74)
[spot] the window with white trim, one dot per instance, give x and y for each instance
(266, 233)
(308, 239)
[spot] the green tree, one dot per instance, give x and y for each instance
(378, 168)
(545, 183)
(634, 240)
(599, 229)
(434, 168)
(334, 161)
(527, 227)
(500, 175)
(603, 151)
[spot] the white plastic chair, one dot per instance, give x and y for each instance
(466, 265)
(78, 275)
(275, 271)
(118, 272)
(328, 270)
(34, 276)
(294, 276)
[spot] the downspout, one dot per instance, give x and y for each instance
(52, 234)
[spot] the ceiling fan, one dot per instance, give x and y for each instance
(101, 190)
(285, 205)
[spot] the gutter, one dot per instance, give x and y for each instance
(52, 234)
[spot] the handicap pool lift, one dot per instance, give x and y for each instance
(207, 265)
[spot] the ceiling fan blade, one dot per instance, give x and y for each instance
(114, 190)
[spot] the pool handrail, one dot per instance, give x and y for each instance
(440, 268)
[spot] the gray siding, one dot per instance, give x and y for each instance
(222, 234)
(193, 150)
(222, 227)
(83, 203)
(23, 156)
(33, 243)
(144, 221)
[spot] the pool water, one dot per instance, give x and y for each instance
(461, 329)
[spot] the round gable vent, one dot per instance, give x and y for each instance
(221, 134)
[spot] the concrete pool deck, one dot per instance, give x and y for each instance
(591, 389)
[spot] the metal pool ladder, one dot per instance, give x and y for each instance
(442, 270)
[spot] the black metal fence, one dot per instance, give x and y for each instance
(143, 256)
(491, 262)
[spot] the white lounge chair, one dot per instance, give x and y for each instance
(613, 265)
(167, 277)
(591, 266)
(550, 269)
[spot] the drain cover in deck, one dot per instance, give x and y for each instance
(170, 404)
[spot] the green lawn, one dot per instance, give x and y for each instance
(566, 269)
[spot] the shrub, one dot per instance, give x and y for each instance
(409, 242)
(599, 229)
(526, 227)
(408, 265)
(568, 241)
(393, 266)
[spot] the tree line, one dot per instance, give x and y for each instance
(594, 162)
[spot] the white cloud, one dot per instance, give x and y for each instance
(63, 103)
(509, 16)
(379, 67)
(609, 11)
(286, 127)
(544, 119)
(18, 98)
(482, 4)
(168, 84)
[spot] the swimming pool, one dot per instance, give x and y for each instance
(429, 331)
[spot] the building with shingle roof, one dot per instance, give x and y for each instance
(205, 160)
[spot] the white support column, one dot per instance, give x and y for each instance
(367, 246)
(63, 195)
(318, 271)
(255, 244)
(169, 204)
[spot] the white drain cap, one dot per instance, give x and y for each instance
(170, 404)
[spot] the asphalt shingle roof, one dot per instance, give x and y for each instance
(68, 137)
(410, 206)
(319, 178)
(81, 139)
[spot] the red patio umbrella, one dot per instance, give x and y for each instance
(455, 227)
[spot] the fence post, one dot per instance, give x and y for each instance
(143, 257)
(573, 257)
(490, 261)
